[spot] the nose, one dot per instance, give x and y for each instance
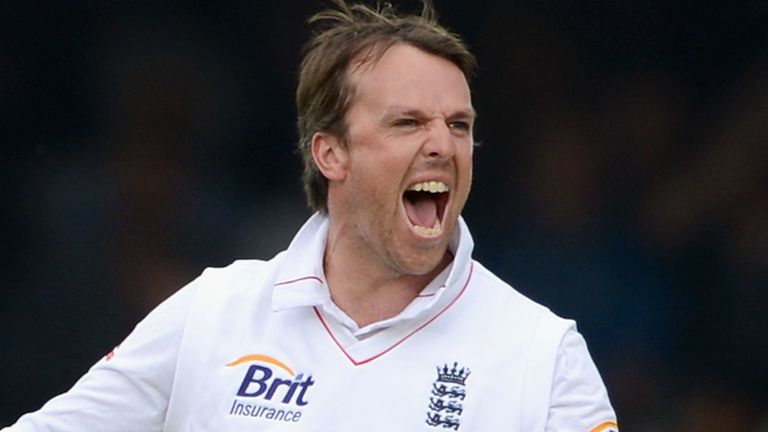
(439, 144)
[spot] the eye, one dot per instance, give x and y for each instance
(460, 125)
(406, 122)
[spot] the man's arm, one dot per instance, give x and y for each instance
(579, 400)
(127, 390)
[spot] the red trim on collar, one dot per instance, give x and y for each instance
(370, 359)
(300, 279)
(430, 294)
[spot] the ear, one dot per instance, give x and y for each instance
(330, 155)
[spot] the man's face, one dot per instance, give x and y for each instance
(409, 168)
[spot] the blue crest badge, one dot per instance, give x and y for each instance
(447, 398)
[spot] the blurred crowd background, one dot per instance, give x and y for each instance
(622, 179)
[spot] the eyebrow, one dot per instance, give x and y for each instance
(396, 110)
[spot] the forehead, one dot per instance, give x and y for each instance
(406, 75)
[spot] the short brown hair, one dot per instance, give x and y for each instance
(343, 35)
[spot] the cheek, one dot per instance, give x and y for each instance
(382, 170)
(465, 163)
(371, 190)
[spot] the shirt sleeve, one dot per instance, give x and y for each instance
(579, 400)
(128, 389)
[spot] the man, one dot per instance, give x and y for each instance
(375, 317)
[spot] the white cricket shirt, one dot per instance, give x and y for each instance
(259, 345)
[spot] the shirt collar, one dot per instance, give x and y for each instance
(301, 280)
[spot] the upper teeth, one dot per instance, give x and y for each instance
(429, 186)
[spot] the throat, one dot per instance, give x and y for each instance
(367, 301)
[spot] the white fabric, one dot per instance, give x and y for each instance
(469, 353)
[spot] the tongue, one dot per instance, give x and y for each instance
(422, 211)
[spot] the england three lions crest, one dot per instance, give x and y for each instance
(446, 401)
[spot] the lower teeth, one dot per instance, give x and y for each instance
(428, 231)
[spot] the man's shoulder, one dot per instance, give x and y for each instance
(241, 277)
(503, 295)
(243, 268)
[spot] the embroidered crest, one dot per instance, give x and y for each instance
(447, 397)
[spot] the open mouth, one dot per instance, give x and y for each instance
(425, 204)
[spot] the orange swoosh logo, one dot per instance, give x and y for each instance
(608, 424)
(262, 358)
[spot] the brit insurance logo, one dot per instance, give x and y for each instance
(270, 390)
(446, 403)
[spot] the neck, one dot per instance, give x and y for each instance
(365, 288)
